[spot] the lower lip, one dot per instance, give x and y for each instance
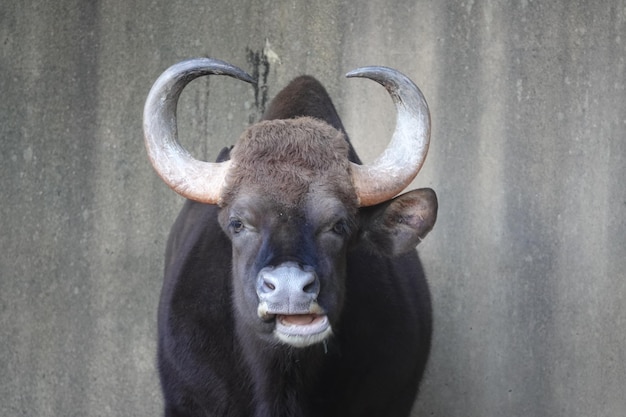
(301, 324)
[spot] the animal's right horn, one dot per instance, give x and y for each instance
(191, 178)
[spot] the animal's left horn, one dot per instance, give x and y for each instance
(191, 178)
(400, 162)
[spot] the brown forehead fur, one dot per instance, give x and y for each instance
(285, 160)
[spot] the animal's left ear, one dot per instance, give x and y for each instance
(397, 226)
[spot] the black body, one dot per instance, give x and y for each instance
(372, 364)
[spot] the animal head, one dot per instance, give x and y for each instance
(293, 204)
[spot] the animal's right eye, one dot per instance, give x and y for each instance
(236, 225)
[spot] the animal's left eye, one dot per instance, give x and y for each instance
(341, 227)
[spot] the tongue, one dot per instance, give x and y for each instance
(298, 319)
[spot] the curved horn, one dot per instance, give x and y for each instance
(189, 177)
(400, 162)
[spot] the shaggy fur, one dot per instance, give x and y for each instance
(282, 159)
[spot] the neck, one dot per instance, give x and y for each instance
(284, 378)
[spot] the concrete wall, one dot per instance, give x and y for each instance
(527, 261)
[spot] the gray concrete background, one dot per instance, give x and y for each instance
(528, 258)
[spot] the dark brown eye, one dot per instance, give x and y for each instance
(341, 228)
(236, 225)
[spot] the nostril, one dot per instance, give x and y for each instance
(310, 288)
(267, 284)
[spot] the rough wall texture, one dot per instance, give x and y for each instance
(527, 262)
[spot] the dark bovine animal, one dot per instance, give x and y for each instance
(292, 286)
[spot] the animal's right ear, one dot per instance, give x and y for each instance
(395, 227)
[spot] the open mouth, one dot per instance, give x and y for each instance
(302, 329)
(301, 324)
